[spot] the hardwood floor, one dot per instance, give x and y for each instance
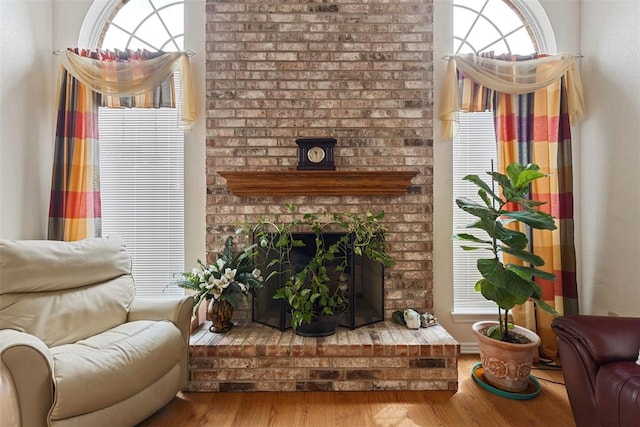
(471, 405)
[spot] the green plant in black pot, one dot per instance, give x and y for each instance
(507, 284)
(310, 286)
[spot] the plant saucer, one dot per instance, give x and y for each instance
(533, 388)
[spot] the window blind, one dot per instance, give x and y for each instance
(142, 191)
(474, 148)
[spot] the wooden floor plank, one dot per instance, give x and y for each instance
(470, 406)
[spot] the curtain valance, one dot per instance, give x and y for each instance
(113, 78)
(509, 77)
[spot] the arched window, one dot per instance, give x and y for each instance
(491, 25)
(142, 150)
(501, 26)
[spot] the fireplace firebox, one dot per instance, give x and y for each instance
(363, 287)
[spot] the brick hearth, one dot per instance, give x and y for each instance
(382, 356)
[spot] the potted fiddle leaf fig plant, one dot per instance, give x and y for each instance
(309, 289)
(507, 284)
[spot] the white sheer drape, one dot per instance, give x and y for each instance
(131, 78)
(512, 77)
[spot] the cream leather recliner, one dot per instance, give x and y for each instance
(76, 347)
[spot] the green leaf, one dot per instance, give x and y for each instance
(473, 248)
(527, 272)
(493, 271)
(283, 241)
(504, 287)
(513, 171)
(536, 291)
(538, 220)
(532, 259)
(546, 307)
(503, 181)
(494, 332)
(530, 205)
(527, 177)
(512, 238)
(481, 225)
(476, 209)
(483, 195)
(470, 238)
(519, 286)
(483, 185)
(296, 243)
(504, 299)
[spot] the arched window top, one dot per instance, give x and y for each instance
(501, 26)
(141, 24)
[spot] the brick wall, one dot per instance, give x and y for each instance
(360, 72)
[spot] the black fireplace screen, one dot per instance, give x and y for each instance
(364, 285)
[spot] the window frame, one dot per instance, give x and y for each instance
(534, 17)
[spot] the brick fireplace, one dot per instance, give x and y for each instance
(358, 72)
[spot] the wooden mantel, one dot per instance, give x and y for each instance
(318, 183)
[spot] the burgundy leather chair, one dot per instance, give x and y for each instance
(598, 355)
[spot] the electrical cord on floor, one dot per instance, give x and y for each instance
(548, 380)
(546, 367)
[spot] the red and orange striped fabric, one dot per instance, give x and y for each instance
(74, 210)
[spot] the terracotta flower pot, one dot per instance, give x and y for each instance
(506, 365)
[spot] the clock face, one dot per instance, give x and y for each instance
(316, 154)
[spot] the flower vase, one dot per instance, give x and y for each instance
(220, 313)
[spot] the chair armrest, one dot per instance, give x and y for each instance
(177, 310)
(605, 339)
(585, 343)
(26, 367)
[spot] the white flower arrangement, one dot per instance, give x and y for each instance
(228, 279)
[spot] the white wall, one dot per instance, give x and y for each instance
(610, 157)
(195, 140)
(26, 117)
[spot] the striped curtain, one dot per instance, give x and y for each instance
(535, 128)
(74, 209)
